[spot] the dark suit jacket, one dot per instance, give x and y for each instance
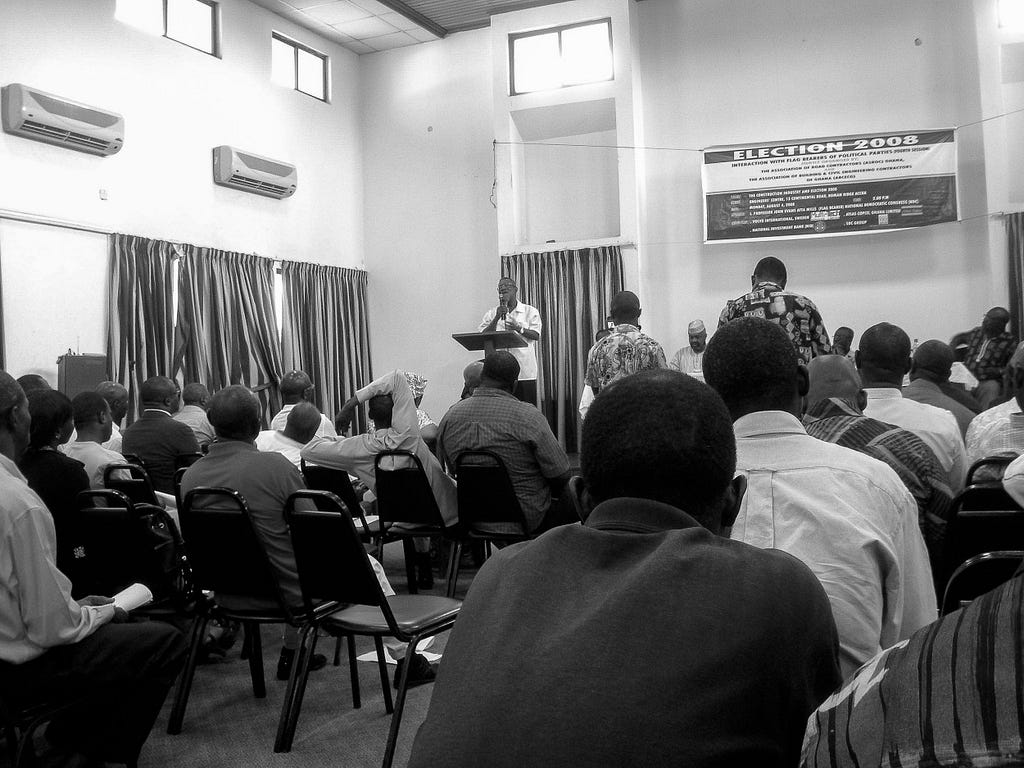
(157, 439)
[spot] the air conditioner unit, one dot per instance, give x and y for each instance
(253, 173)
(42, 116)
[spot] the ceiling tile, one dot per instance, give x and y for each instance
(374, 7)
(395, 40)
(363, 28)
(305, 3)
(357, 46)
(398, 21)
(337, 12)
(422, 35)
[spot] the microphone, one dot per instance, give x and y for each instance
(504, 309)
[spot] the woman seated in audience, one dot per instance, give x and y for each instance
(55, 477)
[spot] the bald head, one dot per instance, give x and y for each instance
(932, 361)
(471, 375)
(832, 376)
(303, 421)
(235, 414)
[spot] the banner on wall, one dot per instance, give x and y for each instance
(838, 185)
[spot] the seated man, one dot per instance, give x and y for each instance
(641, 637)
(883, 360)
(301, 426)
(93, 426)
(296, 387)
(930, 366)
(156, 438)
(842, 342)
(948, 696)
(835, 413)
(471, 378)
(626, 350)
(846, 515)
(193, 412)
(427, 426)
(117, 398)
(392, 408)
(493, 420)
(989, 348)
(990, 432)
(690, 359)
(54, 648)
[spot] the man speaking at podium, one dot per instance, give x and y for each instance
(512, 315)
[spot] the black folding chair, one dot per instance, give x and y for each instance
(489, 509)
(333, 566)
(984, 518)
(20, 722)
(136, 486)
(978, 575)
(988, 469)
(338, 482)
(406, 507)
(228, 558)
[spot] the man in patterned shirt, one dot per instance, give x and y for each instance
(770, 300)
(991, 431)
(626, 350)
(835, 414)
(988, 350)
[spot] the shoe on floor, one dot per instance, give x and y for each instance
(287, 658)
(420, 672)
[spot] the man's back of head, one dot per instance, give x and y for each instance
(116, 396)
(195, 394)
(770, 270)
(33, 382)
(664, 436)
(471, 375)
(296, 386)
(92, 417)
(624, 308)
(500, 371)
(235, 414)
(753, 366)
(932, 361)
(833, 376)
(303, 422)
(883, 356)
(156, 391)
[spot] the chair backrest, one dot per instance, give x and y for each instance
(978, 575)
(224, 548)
(988, 469)
(331, 561)
(486, 494)
(137, 486)
(111, 551)
(103, 497)
(984, 518)
(179, 474)
(134, 458)
(334, 481)
(403, 490)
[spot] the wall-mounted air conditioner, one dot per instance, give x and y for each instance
(253, 173)
(42, 116)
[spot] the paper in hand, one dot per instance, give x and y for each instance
(135, 596)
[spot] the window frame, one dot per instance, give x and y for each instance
(215, 26)
(513, 36)
(296, 46)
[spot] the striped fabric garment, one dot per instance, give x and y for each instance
(951, 695)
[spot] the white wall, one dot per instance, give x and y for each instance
(430, 230)
(178, 103)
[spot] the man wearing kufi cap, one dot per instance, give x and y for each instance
(930, 367)
(690, 359)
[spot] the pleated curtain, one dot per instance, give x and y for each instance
(1015, 244)
(226, 332)
(140, 334)
(325, 332)
(571, 289)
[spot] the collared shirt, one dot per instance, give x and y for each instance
(95, 458)
(158, 440)
(929, 393)
(275, 441)
(986, 358)
(280, 421)
(990, 433)
(950, 696)
(938, 428)
(839, 421)
(849, 518)
(358, 454)
(697, 650)
(689, 362)
(494, 420)
(795, 313)
(195, 419)
(626, 350)
(36, 608)
(529, 320)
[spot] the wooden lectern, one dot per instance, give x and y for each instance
(490, 340)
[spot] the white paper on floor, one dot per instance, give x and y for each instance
(420, 648)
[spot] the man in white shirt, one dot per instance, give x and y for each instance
(117, 398)
(883, 359)
(92, 428)
(993, 432)
(513, 315)
(844, 514)
(690, 359)
(193, 412)
(301, 427)
(55, 648)
(296, 387)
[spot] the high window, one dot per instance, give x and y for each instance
(298, 66)
(194, 23)
(561, 56)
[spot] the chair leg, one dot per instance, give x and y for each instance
(187, 674)
(383, 667)
(453, 568)
(353, 671)
(259, 686)
(396, 718)
(296, 689)
(245, 647)
(337, 651)
(410, 564)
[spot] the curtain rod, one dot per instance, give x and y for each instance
(49, 221)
